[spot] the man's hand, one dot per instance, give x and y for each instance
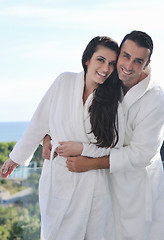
(47, 146)
(7, 168)
(83, 164)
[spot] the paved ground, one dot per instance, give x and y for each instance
(6, 198)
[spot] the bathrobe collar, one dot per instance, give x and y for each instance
(137, 91)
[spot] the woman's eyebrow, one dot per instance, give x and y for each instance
(101, 57)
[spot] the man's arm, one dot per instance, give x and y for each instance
(77, 163)
(47, 146)
(83, 164)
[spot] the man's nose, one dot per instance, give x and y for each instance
(129, 65)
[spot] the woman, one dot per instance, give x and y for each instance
(74, 206)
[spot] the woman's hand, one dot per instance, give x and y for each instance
(7, 168)
(69, 148)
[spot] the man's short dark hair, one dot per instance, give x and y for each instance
(142, 39)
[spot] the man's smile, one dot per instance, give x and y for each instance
(126, 72)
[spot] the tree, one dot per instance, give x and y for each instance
(26, 227)
(4, 233)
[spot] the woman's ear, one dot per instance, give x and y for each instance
(86, 63)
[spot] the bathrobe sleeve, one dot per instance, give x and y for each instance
(36, 130)
(91, 150)
(145, 125)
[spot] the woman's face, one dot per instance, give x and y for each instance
(100, 66)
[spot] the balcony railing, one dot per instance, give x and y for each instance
(19, 208)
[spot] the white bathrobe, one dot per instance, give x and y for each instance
(136, 169)
(74, 206)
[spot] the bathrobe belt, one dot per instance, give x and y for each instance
(148, 191)
(58, 161)
(66, 202)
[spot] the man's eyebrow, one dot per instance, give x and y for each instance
(138, 59)
(126, 53)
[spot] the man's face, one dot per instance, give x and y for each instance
(131, 63)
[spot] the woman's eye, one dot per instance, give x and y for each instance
(112, 63)
(100, 60)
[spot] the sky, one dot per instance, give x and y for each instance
(41, 39)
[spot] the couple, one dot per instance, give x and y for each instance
(106, 182)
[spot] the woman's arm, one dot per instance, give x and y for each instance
(38, 127)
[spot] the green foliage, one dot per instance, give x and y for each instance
(4, 233)
(25, 227)
(17, 224)
(12, 187)
(6, 148)
(37, 157)
(3, 181)
(21, 220)
(2, 159)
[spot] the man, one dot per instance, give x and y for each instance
(136, 173)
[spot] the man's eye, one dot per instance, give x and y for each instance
(126, 56)
(139, 62)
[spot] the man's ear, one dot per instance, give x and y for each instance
(148, 62)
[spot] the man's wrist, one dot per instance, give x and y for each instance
(99, 163)
(47, 138)
(103, 162)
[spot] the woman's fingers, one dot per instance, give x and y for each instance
(7, 168)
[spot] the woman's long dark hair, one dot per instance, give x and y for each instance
(103, 110)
